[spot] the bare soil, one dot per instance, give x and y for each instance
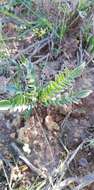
(67, 126)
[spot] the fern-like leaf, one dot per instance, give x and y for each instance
(52, 94)
(74, 97)
(19, 102)
(61, 83)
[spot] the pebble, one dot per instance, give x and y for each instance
(13, 135)
(83, 162)
(26, 148)
(50, 124)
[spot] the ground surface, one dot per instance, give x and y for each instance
(52, 132)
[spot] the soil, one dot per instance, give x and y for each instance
(45, 147)
(46, 139)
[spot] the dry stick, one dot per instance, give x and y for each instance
(38, 48)
(10, 188)
(24, 51)
(39, 44)
(79, 16)
(74, 153)
(70, 158)
(81, 48)
(66, 182)
(62, 130)
(40, 59)
(91, 60)
(63, 145)
(62, 170)
(29, 164)
(85, 181)
(5, 161)
(64, 121)
(55, 175)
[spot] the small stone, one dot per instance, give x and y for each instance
(50, 124)
(26, 148)
(13, 135)
(83, 162)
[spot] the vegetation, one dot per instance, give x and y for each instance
(46, 47)
(55, 93)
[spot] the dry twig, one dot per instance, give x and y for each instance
(37, 46)
(27, 162)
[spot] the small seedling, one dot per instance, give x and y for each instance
(57, 92)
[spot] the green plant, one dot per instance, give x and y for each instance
(88, 36)
(85, 5)
(57, 92)
(90, 42)
(41, 27)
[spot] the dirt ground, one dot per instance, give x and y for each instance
(49, 132)
(45, 143)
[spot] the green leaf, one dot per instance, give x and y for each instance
(74, 97)
(18, 102)
(61, 83)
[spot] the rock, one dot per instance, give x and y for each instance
(50, 124)
(26, 148)
(83, 162)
